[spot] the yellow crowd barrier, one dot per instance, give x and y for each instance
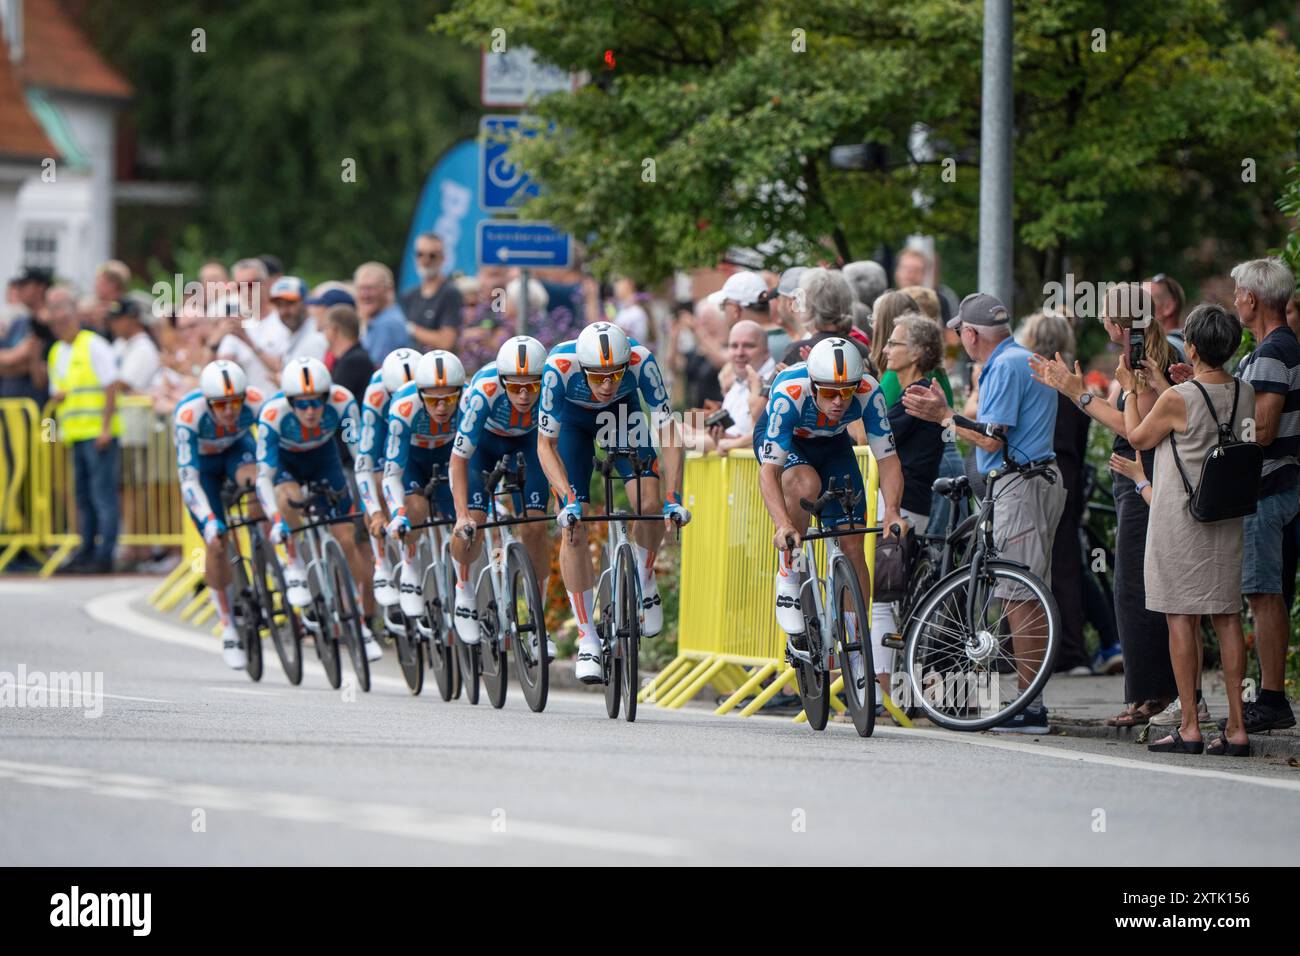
(727, 635)
(21, 523)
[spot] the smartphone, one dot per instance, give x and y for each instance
(1137, 349)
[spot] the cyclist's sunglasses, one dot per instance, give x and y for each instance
(604, 378)
(307, 404)
(436, 400)
(225, 404)
(530, 387)
(832, 392)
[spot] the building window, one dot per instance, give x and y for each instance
(41, 247)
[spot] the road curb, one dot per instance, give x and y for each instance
(1278, 744)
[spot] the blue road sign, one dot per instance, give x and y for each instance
(503, 186)
(525, 244)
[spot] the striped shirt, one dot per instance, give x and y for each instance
(1274, 367)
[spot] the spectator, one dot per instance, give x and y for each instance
(745, 296)
(1024, 523)
(433, 308)
(382, 323)
(1051, 335)
(1167, 300)
(1264, 287)
(1150, 691)
(214, 281)
(183, 358)
(867, 280)
(916, 267)
(136, 355)
(274, 267)
(702, 332)
(289, 296)
(889, 307)
(828, 301)
(750, 366)
(352, 366)
(789, 304)
(538, 302)
(630, 316)
(112, 280)
(1194, 568)
(255, 339)
(914, 345)
(927, 300)
(82, 374)
(27, 342)
(322, 297)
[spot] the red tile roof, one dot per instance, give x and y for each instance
(21, 137)
(56, 55)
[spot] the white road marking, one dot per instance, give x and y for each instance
(25, 587)
(405, 821)
(245, 690)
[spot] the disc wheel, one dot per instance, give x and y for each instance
(526, 623)
(285, 628)
(853, 638)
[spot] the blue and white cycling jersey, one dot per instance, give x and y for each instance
(792, 416)
(485, 407)
(374, 438)
(279, 431)
(410, 426)
(200, 441)
(566, 396)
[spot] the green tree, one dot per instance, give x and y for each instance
(282, 94)
(1129, 142)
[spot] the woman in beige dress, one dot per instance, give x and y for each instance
(1193, 567)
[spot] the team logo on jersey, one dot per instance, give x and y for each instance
(338, 395)
(405, 408)
(795, 391)
(489, 389)
(377, 399)
(863, 387)
(563, 365)
(254, 395)
(270, 414)
(636, 359)
(187, 416)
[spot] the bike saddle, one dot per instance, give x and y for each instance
(951, 487)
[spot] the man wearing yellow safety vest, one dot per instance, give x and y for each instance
(82, 374)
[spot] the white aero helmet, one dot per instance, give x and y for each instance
(439, 369)
(835, 362)
(222, 379)
(305, 376)
(603, 345)
(521, 355)
(399, 368)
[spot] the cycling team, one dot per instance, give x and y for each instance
(420, 416)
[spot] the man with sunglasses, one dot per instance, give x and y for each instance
(422, 421)
(498, 418)
(589, 397)
(817, 411)
(433, 308)
(214, 441)
(295, 445)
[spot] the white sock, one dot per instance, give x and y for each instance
(221, 601)
(410, 573)
(645, 567)
(582, 604)
(383, 568)
(464, 594)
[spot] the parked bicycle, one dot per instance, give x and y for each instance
(837, 631)
(335, 614)
(964, 671)
(511, 614)
(259, 602)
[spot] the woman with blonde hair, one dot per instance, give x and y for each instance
(886, 309)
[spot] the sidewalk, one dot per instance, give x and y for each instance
(1080, 706)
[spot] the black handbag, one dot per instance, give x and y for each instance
(1229, 483)
(893, 566)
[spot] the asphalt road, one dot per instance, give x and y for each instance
(190, 763)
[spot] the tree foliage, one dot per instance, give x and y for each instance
(1129, 143)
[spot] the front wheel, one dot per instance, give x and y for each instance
(853, 636)
(607, 633)
(967, 668)
(492, 654)
(285, 628)
(327, 644)
(526, 622)
(629, 631)
(347, 612)
(246, 614)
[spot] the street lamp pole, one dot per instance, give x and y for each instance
(996, 226)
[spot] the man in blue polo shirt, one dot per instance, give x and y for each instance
(1027, 512)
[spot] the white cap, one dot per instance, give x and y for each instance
(743, 288)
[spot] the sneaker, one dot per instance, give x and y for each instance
(385, 594)
(231, 652)
(1260, 717)
(551, 652)
(789, 610)
(373, 650)
(1172, 716)
(466, 616)
(588, 669)
(652, 611)
(1079, 670)
(1108, 660)
(297, 593)
(412, 601)
(1031, 720)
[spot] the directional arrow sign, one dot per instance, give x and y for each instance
(504, 242)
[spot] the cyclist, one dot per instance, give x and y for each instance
(295, 445)
(589, 390)
(397, 370)
(817, 411)
(214, 441)
(422, 420)
(498, 418)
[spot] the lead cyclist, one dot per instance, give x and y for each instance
(816, 412)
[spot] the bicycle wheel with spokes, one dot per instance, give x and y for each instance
(246, 614)
(963, 674)
(629, 630)
(285, 628)
(347, 611)
(525, 621)
(327, 644)
(607, 634)
(853, 637)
